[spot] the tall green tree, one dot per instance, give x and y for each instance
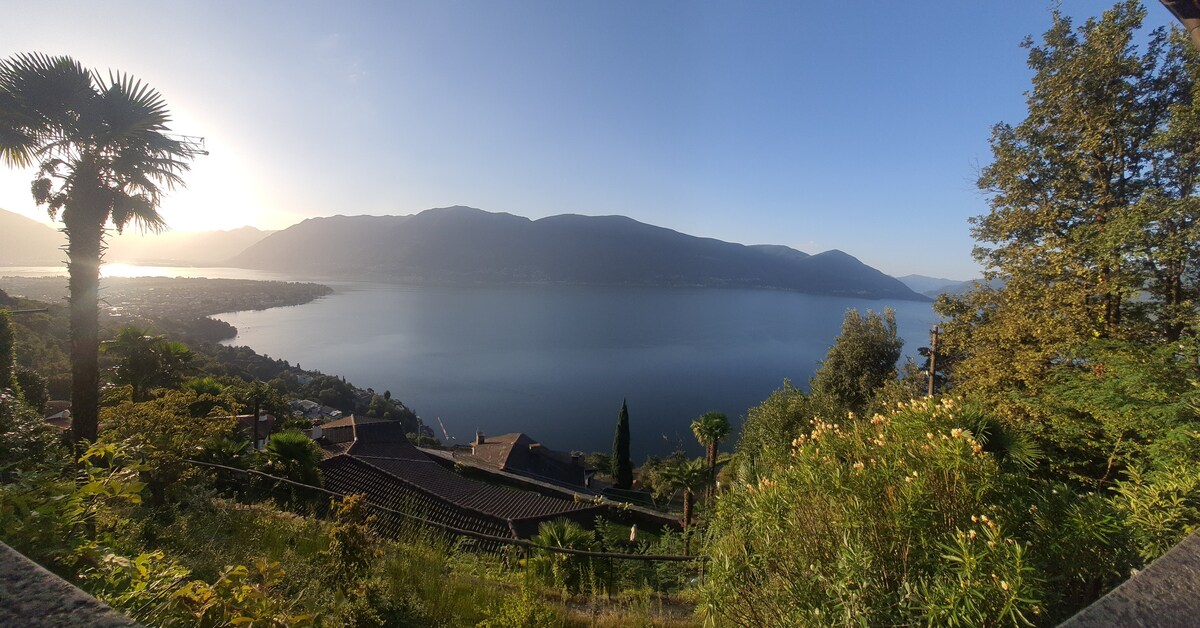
(622, 466)
(103, 156)
(710, 429)
(861, 360)
(1092, 226)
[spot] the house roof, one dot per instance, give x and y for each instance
(337, 436)
(392, 472)
(518, 453)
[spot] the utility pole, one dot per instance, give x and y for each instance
(932, 357)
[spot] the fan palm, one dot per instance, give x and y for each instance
(710, 429)
(102, 153)
(145, 362)
(688, 476)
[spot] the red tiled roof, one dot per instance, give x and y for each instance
(518, 453)
(384, 465)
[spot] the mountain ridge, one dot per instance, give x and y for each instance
(464, 245)
(27, 242)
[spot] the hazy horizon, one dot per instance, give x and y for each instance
(817, 126)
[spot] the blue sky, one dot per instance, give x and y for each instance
(819, 125)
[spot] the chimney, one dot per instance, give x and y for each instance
(316, 432)
(478, 438)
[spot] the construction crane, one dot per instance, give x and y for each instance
(194, 145)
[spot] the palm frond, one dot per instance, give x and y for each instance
(138, 208)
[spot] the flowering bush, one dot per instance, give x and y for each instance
(891, 520)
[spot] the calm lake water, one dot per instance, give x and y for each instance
(555, 362)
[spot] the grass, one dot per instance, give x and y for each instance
(439, 582)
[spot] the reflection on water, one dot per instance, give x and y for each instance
(555, 362)
(136, 270)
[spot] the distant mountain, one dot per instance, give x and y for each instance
(181, 247)
(963, 287)
(934, 287)
(26, 242)
(462, 245)
(924, 284)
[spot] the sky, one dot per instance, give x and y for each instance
(818, 125)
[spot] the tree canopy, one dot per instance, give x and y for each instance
(103, 153)
(862, 358)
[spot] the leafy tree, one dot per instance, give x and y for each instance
(1092, 226)
(103, 154)
(710, 429)
(861, 360)
(1117, 406)
(769, 428)
(622, 467)
(145, 362)
(654, 474)
(33, 388)
(164, 432)
(600, 461)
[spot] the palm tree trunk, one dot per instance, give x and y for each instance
(83, 267)
(711, 454)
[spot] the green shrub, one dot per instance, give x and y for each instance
(557, 570)
(872, 522)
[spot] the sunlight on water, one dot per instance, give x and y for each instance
(137, 270)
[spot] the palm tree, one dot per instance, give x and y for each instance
(295, 456)
(710, 429)
(146, 362)
(688, 476)
(103, 154)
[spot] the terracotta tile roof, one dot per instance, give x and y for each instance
(518, 453)
(347, 474)
(338, 436)
(393, 473)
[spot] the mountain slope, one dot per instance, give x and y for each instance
(462, 245)
(924, 284)
(26, 242)
(181, 247)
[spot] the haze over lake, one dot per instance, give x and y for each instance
(555, 362)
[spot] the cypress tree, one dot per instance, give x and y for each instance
(622, 468)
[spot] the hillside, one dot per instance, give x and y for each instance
(462, 245)
(26, 242)
(933, 287)
(181, 247)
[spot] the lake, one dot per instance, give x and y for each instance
(555, 362)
